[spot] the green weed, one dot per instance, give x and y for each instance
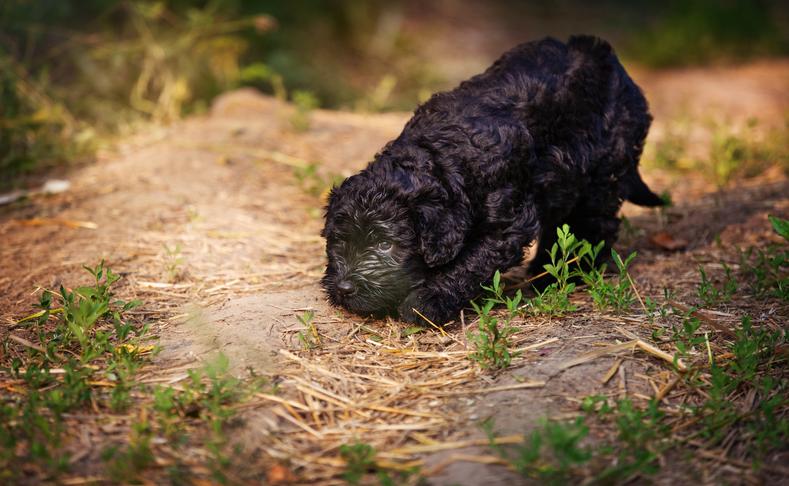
(766, 269)
(86, 336)
(213, 391)
(259, 72)
(641, 437)
(553, 452)
(605, 293)
(168, 409)
(669, 153)
(491, 340)
(209, 396)
(309, 337)
(732, 152)
(304, 103)
(127, 464)
(744, 153)
(36, 130)
(174, 261)
(72, 76)
(780, 226)
(704, 31)
(554, 300)
(314, 183)
(686, 335)
(90, 339)
(550, 454)
(709, 294)
(378, 98)
(122, 369)
(752, 367)
(359, 460)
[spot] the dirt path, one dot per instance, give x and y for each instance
(209, 226)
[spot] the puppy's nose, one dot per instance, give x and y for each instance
(346, 287)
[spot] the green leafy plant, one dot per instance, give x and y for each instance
(669, 152)
(210, 395)
(88, 335)
(491, 340)
(72, 76)
(551, 453)
(766, 268)
(554, 300)
(359, 460)
(780, 225)
(685, 33)
(174, 261)
(304, 103)
(753, 367)
(641, 437)
(309, 337)
(167, 407)
(606, 294)
(126, 464)
(257, 72)
(312, 181)
(710, 295)
(745, 152)
(38, 130)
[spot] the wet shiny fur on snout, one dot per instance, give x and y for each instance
(373, 266)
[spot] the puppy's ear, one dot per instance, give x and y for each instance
(328, 227)
(441, 231)
(440, 213)
(333, 203)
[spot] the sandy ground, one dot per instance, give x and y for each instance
(209, 226)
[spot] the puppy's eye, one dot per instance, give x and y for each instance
(384, 246)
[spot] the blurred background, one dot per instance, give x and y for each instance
(76, 74)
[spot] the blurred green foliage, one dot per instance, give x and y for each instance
(733, 153)
(34, 129)
(73, 72)
(685, 32)
(74, 69)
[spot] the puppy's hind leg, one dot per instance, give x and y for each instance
(541, 255)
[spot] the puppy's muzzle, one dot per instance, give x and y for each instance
(346, 288)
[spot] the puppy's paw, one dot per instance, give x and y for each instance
(431, 305)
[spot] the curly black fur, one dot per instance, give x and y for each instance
(551, 133)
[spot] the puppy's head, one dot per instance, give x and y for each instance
(371, 248)
(388, 227)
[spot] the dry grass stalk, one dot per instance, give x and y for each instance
(453, 458)
(69, 223)
(660, 395)
(597, 353)
(611, 372)
(444, 446)
(705, 319)
(653, 350)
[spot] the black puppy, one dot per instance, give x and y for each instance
(551, 133)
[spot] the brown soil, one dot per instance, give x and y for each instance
(222, 188)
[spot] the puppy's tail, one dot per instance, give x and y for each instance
(637, 192)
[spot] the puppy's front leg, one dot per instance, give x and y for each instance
(441, 296)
